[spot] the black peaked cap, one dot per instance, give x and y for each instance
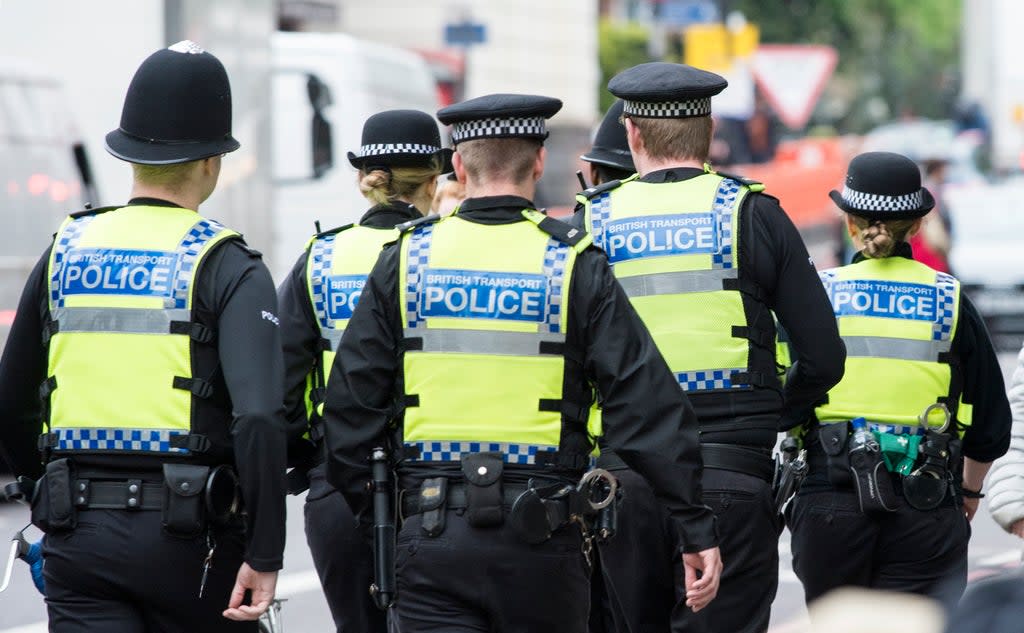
(883, 186)
(401, 138)
(177, 109)
(611, 147)
(500, 116)
(665, 90)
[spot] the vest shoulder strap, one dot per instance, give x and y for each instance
(597, 190)
(87, 212)
(405, 227)
(565, 233)
(749, 183)
(335, 230)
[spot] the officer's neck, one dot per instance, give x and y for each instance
(646, 164)
(524, 189)
(186, 198)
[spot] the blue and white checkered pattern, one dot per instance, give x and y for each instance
(555, 256)
(600, 210)
(942, 329)
(896, 429)
(135, 440)
(452, 451)
(708, 379)
(321, 257)
(64, 243)
(416, 259)
(188, 250)
(725, 198)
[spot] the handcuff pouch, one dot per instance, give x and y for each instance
(834, 438)
(184, 511)
(483, 488)
(53, 507)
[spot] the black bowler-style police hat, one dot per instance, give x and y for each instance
(500, 116)
(401, 138)
(883, 186)
(611, 148)
(660, 90)
(178, 109)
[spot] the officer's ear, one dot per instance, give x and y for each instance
(458, 167)
(538, 163)
(636, 142)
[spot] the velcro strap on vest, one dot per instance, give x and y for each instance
(48, 387)
(317, 430)
(199, 387)
(46, 442)
(757, 336)
(411, 400)
(570, 410)
(323, 345)
(195, 331)
(949, 358)
(553, 348)
(745, 286)
(754, 378)
(411, 344)
(50, 328)
(558, 459)
(318, 395)
(193, 442)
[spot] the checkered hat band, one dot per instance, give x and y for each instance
(879, 202)
(378, 149)
(499, 128)
(668, 109)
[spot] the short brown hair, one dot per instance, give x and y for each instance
(170, 176)
(499, 159)
(685, 139)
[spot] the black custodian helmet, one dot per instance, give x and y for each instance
(177, 109)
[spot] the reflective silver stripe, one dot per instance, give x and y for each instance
(333, 336)
(483, 341)
(133, 320)
(676, 282)
(901, 348)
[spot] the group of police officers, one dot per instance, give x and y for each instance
(513, 369)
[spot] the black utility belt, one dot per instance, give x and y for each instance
(748, 461)
(191, 496)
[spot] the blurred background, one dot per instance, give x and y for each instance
(812, 83)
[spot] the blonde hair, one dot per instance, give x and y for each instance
(381, 186)
(685, 139)
(880, 237)
(499, 159)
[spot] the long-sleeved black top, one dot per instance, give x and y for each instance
(235, 296)
(772, 255)
(647, 419)
(300, 332)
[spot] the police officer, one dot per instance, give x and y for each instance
(706, 259)
(922, 395)
(473, 348)
(150, 334)
(399, 162)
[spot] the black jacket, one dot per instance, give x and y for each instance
(647, 419)
(234, 296)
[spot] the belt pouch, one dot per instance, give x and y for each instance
(53, 508)
(433, 497)
(833, 441)
(184, 506)
(483, 492)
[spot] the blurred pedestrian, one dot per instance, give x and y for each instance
(899, 449)
(399, 163)
(1006, 481)
(151, 335)
(705, 259)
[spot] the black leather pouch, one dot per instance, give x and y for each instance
(53, 507)
(184, 512)
(834, 438)
(483, 490)
(433, 498)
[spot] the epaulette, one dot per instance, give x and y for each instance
(87, 212)
(411, 224)
(250, 251)
(749, 183)
(561, 231)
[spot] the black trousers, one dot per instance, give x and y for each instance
(485, 580)
(644, 572)
(835, 545)
(343, 558)
(118, 572)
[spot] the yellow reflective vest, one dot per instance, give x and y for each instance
(336, 270)
(673, 247)
(120, 364)
(897, 318)
(485, 310)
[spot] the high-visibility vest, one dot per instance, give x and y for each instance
(121, 373)
(336, 270)
(897, 318)
(673, 248)
(485, 310)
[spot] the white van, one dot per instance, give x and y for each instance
(325, 87)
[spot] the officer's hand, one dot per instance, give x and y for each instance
(970, 507)
(1018, 528)
(700, 591)
(262, 585)
(34, 558)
